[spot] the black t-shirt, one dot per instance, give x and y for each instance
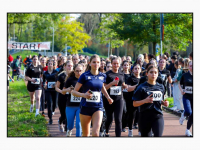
(165, 74)
(72, 100)
(34, 72)
(50, 79)
(132, 80)
(115, 92)
(146, 89)
(187, 82)
(61, 79)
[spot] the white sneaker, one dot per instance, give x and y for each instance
(130, 133)
(181, 120)
(174, 108)
(69, 133)
(60, 127)
(100, 134)
(31, 109)
(53, 113)
(139, 133)
(188, 133)
(36, 114)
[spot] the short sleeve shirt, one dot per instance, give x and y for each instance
(95, 84)
(146, 89)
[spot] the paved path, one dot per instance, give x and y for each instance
(172, 127)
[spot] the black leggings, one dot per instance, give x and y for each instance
(117, 108)
(62, 100)
(42, 100)
(148, 120)
(51, 98)
(131, 111)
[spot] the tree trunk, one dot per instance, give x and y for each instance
(150, 46)
(116, 51)
(154, 48)
(134, 52)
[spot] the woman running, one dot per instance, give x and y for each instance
(149, 96)
(133, 111)
(92, 83)
(187, 92)
(49, 80)
(62, 98)
(33, 76)
(115, 83)
(72, 107)
(178, 104)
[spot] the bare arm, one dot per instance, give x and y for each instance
(75, 92)
(57, 87)
(182, 92)
(105, 93)
(169, 79)
(131, 88)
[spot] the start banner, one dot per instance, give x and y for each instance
(29, 45)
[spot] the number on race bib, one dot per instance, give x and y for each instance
(115, 90)
(157, 95)
(75, 99)
(95, 98)
(37, 82)
(188, 89)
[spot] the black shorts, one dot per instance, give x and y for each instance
(32, 88)
(89, 111)
(7, 82)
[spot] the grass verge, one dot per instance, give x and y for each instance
(171, 102)
(22, 123)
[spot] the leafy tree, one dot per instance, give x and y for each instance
(107, 35)
(72, 34)
(143, 29)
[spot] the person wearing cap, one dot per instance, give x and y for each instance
(10, 58)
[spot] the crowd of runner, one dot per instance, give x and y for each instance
(95, 91)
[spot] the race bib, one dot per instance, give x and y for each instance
(51, 85)
(188, 89)
(157, 95)
(75, 99)
(37, 82)
(95, 98)
(115, 90)
(163, 76)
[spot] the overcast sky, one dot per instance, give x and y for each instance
(75, 16)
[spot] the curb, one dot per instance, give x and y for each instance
(171, 111)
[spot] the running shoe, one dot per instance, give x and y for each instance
(188, 133)
(124, 130)
(31, 109)
(107, 135)
(43, 114)
(60, 127)
(50, 121)
(181, 120)
(139, 133)
(130, 133)
(69, 133)
(53, 113)
(36, 114)
(101, 134)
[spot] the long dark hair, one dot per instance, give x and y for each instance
(92, 57)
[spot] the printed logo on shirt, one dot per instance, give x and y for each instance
(163, 76)
(89, 77)
(101, 78)
(157, 95)
(188, 89)
(39, 69)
